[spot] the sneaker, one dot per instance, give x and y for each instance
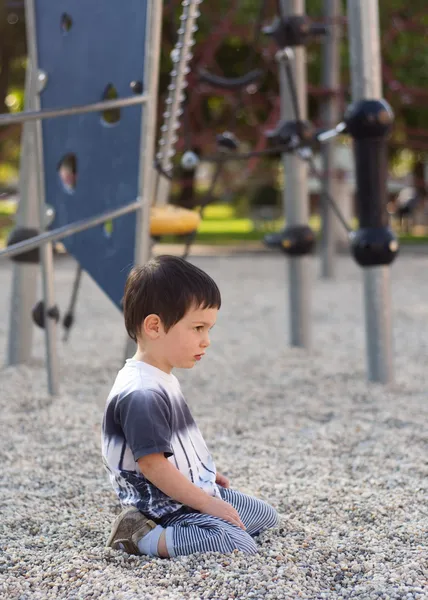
(129, 527)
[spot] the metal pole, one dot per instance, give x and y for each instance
(68, 230)
(331, 81)
(46, 252)
(24, 278)
(296, 204)
(48, 113)
(363, 19)
(147, 174)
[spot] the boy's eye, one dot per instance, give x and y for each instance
(199, 327)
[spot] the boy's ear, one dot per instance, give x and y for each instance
(152, 326)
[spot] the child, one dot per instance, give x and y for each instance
(159, 465)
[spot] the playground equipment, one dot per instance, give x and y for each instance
(93, 161)
(87, 163)
(368, 121)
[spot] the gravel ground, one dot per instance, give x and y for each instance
(344, 462)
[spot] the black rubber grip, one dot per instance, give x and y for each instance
(230, 83)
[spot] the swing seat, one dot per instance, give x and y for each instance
(172, 220)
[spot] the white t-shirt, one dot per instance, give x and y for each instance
(146, 413)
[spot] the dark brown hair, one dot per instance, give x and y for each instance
(167, 286)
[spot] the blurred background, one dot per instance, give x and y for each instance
(247, 200)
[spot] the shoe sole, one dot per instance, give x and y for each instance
(116, 523)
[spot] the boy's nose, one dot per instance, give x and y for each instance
(205, 342)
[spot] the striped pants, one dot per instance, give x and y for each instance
(196, 532)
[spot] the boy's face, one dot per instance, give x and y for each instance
(187, 341)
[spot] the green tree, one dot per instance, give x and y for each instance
(229, 42)
(12, 76)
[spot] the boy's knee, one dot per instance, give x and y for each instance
(240, 540)
(272, 517)
(269, 518)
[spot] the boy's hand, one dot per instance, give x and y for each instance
(222, 480)
(164, 475)
(223, 510)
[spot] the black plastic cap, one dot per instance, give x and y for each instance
(68, 321)
(369, 119)
(137, 87)
(38, 314)
(298, 240)
(20, 234)
(374, 246)
(286, 131)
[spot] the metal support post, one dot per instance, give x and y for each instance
(331, 116)
(24, 278)
(46, 251)
(374, 245)
(296, 204)
(147, 175)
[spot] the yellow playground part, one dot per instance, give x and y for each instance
(172, 220)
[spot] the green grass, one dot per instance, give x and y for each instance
(230, 226)
(413, 239)
(7, 208)
(219, 212)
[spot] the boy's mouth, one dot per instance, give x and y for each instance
(199, 356)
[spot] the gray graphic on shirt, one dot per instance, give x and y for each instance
(146, 413)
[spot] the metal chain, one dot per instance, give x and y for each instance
(181, 57)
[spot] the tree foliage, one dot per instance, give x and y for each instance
(229, 41)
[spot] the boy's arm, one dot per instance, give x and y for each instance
(165, 476)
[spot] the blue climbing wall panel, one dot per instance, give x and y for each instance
(84, 46)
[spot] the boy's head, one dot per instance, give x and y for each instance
(169, 307)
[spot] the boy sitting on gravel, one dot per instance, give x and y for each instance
(159, 465)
